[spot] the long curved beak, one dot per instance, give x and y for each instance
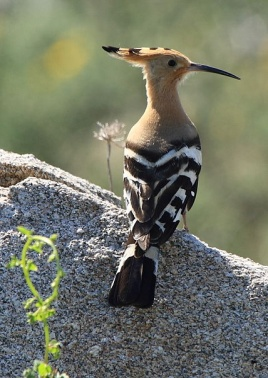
(202, 67)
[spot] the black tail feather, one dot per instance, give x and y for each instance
(135, 279)
(127, 284)
(147, 289)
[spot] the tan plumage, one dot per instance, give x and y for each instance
(162, 164)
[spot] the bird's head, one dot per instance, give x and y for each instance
(162, 63)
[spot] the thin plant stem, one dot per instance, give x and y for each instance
(35, 293)
(47, 339)
(109, 165)
(26, 271)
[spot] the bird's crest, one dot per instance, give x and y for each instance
(138, 55)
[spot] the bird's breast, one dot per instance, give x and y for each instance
(160, 137)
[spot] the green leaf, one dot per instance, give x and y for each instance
(41, 314)
(24, 230)
(54, 348)
(37, 246)
(44, 370)
(15, 261)
(54, 238)
(27, 304)
(29, 373)
(31, 266)
(31, 318)
(51, 257)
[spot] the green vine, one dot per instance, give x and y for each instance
(39, 309)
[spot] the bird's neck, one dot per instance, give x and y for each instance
(163, 101)
(164, 120)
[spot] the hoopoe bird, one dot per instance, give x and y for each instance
(162, 162)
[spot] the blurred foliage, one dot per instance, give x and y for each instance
(56, 83)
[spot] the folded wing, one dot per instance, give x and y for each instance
(158, 189)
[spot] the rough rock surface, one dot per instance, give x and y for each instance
(210, 317)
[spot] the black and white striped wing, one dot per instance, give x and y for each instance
(157, 189)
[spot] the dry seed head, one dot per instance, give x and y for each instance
(112, 133)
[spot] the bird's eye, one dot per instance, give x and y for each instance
(172, 63)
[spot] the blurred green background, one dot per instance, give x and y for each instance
(56, 83)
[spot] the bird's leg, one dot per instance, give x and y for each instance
(185, 227)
